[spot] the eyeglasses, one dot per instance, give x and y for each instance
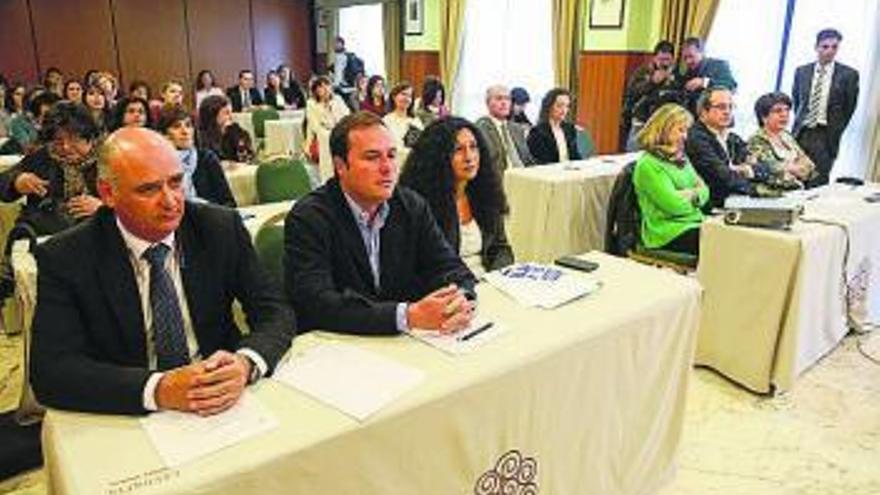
(723, 106)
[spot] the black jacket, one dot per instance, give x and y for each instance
(542, 144)
(293, 95)
(89, 346)
(327, 273)
(710, 159)
(234, 95)
(210, 181)
(842, 98)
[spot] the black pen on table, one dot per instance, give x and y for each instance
(473, 333)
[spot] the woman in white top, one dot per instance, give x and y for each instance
(451, 168)
(205, 87)
(323, 110)
(401, 120)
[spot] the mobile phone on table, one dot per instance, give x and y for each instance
(576, 263)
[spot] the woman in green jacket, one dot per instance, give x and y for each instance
(669, 191)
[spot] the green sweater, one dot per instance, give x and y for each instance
(665, 213)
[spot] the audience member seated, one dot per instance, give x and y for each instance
(432, 104)
(16, 99)
(773, 146)
(293, 91)
(203, 178)
(357, 97)
(171, 95)
(365, 256)
(96, 102)
(206, 87)
(669, 191)
(401, 120)
(244, 96)
(73, 91)
(110, 86)
(24, 128)
(375, 100)
(131, 111)
(323, 110)
(123, 325)
(58, 179)
(700, 73)
(553, 139)
(449, 166)
(218, 133)
(519, 98)
(650, 86)
(505, 139)
(718, 154)
(53, 81)
(140, 89)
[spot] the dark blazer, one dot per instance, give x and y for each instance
(496, 252)
(210, 181)
(89, 347)
(293, 95)
(234, 95)
(718, 72)
(496, 145)
(842, 99)
(710, 159)
(327, 272)
(542, 144)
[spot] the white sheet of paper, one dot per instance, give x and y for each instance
(459, 342)
(182, 437)
(542, 286)
(350, 379)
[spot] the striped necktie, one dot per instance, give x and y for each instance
(168, 333)
(816, 97)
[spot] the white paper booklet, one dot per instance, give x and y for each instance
(182, 437)
(543, 286)
(464, 341)
(355, 381)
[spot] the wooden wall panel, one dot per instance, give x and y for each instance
(220, 38)
(281, 36)
(18, 61)
(415, 66)
(151, 39)
(74, 35)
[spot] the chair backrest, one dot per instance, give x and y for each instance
(282, 179)
(585, 144)
(623, 225)
(260, 117)
(269, 244)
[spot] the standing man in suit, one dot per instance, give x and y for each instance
(506, 139)
(701, 72)
(244, 96)
(649, 87)
(825, 93)
(367, 257)
(134, 306)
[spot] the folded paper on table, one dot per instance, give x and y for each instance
(543, 286)
(464, 341)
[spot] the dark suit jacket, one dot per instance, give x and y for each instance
(718, 72)
(210, 181)
(293, 95)
(234, 95)
(842, 99)
(89, 346)
(327, 272)
(710, 159)
(496, 146)
(542, 144)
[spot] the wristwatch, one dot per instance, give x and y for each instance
(254, 374)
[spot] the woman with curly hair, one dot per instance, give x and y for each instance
(450, 166)
(131, 111)
(432, 105)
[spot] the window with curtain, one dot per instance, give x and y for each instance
(505, 42)
(361, 27)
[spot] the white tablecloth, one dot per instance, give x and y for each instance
(7, 161)
(560, 209)
(242, 181)
(284, 137)
(593, 393)
(246, 121)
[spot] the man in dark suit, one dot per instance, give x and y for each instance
(506, 139)
(717, 153)
(244, 95)
(649, 87)
(365, 256)
(134, 306)
(824, 94)
(701, 72)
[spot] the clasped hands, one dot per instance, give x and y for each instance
(207, 387)
(78, 206)
(445, 310)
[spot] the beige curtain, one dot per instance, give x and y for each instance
(567, 28)
(684, 18)
(391, 20)
(451, 36)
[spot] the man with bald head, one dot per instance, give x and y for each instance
(506, 139)
(134, 305)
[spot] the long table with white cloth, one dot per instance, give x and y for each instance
(586, 398)
(777, 301)
(560, 209)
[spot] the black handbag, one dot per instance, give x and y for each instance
(7, 274)
(48, 217)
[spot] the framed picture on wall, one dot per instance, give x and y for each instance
(415, 16)
(606, 14)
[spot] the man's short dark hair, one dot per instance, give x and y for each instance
(351, 122)
(242, 72)
(829, 33)
(170, 115)
(43, 98)
(71, 117)
(664, 46)
(693, 42)
(766, 102)
(704, 102)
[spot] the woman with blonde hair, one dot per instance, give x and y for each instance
(669, 191)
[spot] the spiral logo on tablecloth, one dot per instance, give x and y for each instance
(513, 474)
(858, 286)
